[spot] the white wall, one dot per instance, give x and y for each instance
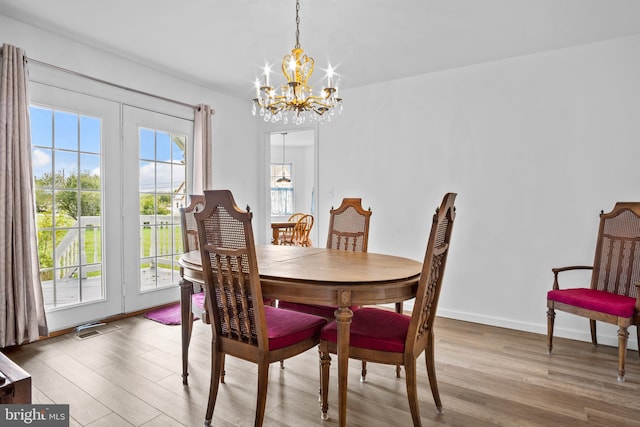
(535, 147)
(234, 129)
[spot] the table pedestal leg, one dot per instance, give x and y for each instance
(343, 319)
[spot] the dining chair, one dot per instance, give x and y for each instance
(300, 235)
(349, 231)
(286, 233)
(384, 336)
(613, 295)
(241, 324)
(192, 308)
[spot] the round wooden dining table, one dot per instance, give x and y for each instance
(325, 277)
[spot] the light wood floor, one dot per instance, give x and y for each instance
(487, 376)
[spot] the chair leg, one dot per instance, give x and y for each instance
(363, 372)
(431, 372)
(551, 316)
(592, 327)
(623, 336)
(325, 363)
(638, 338)
(399, 310)
(412, 390)
(222, 372)
(261, 401)
(216, 367)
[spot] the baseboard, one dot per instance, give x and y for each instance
(541, 328)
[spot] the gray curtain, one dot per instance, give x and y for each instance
(22, 317)
(202, 155)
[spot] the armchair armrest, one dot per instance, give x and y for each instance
(560, 269)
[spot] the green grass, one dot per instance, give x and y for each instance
(93, 242)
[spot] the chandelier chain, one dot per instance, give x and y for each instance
(297, 24)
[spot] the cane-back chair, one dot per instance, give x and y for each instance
(190, 306)
(383, 336)
(349, 231)
(241, 325)
(615, 274)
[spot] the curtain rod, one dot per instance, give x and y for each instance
(75, 73)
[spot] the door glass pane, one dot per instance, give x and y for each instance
(162, 191)
(66, 157)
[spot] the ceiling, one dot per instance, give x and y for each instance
(223, 44)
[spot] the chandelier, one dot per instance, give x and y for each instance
(295, 100)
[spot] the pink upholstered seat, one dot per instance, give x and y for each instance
(373, 328)
(285, 327)
(593, 299)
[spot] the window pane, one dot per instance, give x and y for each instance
(44, 212)
(66, 165)
(90, 206)
(163, 147)
(90, 134)
(92, 243)
(147, 144)
(66, 207)
(163, 177)
(41, 126)
(42, 161)
(147, 176)
(179, 143)
(66, 130)
(90, 175)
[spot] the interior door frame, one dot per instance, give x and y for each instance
(264, 143)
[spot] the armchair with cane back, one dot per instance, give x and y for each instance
(615, 275)
(241, 324)
(383, 336)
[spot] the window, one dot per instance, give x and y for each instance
(281, 190)
(66, 155)
(162, 193)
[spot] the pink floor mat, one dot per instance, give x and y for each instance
(170, 315)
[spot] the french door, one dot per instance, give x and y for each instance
(109, 180)
(77, 175)
(155, 158)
